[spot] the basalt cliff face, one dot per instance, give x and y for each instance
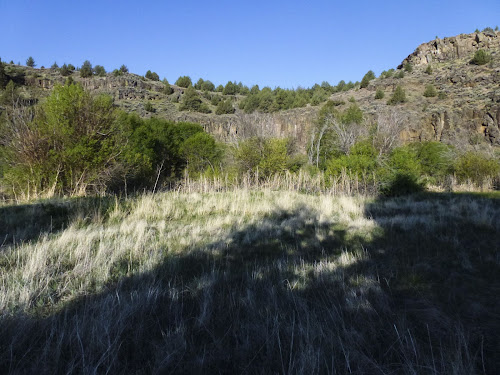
(466, 111)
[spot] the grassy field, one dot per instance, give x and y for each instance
(246, 282)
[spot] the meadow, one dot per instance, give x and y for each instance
(248, 281)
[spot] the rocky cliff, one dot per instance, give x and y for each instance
(466, 111)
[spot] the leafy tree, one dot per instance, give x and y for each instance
(435, 158)
(30, 62)
(167, 89)
(274, 157)
(184, 81)
(230, 89)
(11, 94)
(198, 85)
(201, 152)
(152, 76)
(379, 94)
(224, 107)
(481, 57)
(99, 71)
(207, 86)
(191, 101)
(430, 91)
(366, 79)
(86, 69)
(399, 96)
(123, 68)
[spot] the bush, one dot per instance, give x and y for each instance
(117, 73)
(99, 71)
(379, 94)
(86, 69)
(400, 74)
(152, 76)
(367, 78)
(184, 81)
(224, 107)
(399, 96)
(201, 152)
(481, 57)
(430, 91)
(208, 86)
(148, 107)
(408, 67)
(30, 62)
(191, 101)
(361, 162)
(476, 167)
(353, 114)
(3, 76)
(199, 84)
(230, 89)
(428, 70)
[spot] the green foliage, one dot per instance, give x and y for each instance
(86, 69)
(148, 107)
(167, 89)
(11, 95)
(71, 67)
(428, 70)
(207, 86)
(201, 152)
(191, 101)
(152, 76)
(99, 71)
(224, 107)
(3, 76)
(123, 69)
(117, 73)
(68, 146)
(54, 66)
(379, 94)
(435, 158)
(399, 96)
(361, 162)
(219, 88)
(184, 81)
(231, 88)
(30, 62)
(488, 30)
(198, 85)
(64, 70)
(481, 57)
(353, 114)
(430, 91)
(408, 67)
(274, 157)
(442, 95)
(476, 167)
(319, 96)
(400, 74)
(366, 79)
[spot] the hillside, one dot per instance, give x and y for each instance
(467, 109)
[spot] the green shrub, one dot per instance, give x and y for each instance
(208, 86)
(224, 107)
(199, 84)
(99, 71)
(201, 152)
(230, 89)
(430, 91)
(353, 114)
(191, 101)
(399, 96)
(400, 74)
(408, 67)
(152, 76)
(481, 57)
(428, 70)
(86, 69)
(219, 88)
(379, 94)
(148, 107)
(117, 73)
(442, 95)
(30, 62)
(167, 89)
(366, 79)
(476, 167)
(184, 81)
(435, 158)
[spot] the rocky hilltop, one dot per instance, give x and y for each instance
(466, 111)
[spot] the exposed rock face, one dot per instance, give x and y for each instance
(452, 48)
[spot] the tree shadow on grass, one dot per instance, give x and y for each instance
(27, 222)
(291, 294)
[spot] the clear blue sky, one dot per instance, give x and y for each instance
(275, 43)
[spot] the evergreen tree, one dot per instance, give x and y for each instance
(99, 71)
(30, 62)
(152, 76)
(366, 79)
(86, 69)
(224, 107)
(123, 69)
(184, 81)
(399, 96)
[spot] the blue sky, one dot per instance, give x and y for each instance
(274, 43)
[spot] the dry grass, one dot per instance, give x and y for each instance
(251, 281)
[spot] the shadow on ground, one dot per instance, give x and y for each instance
(293, 294)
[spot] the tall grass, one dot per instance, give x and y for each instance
(199, 280)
